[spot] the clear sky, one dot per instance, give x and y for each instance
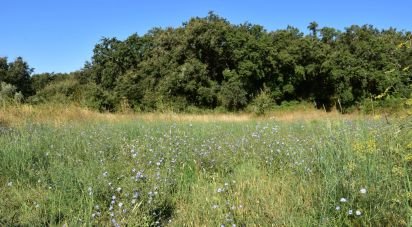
(59, 35)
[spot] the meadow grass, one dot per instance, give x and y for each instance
(103, 169)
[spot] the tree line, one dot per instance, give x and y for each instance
(209, 63)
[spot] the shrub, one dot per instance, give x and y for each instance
(261, 103)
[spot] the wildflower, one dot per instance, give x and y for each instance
(115, 223)
(219, 190)
(133, 201)
(358, 212)
(350, 212)
(105, 173)
(10, 184)
(363, 191)
(120, 204)
(337, 208)
(119, 189)
(139, 175)
(215, 206)
(90, 190)
(343, 200)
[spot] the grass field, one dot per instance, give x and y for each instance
(315, 169)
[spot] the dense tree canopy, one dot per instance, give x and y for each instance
(210, 63)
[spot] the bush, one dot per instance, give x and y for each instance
(261, 103)
(9, 94)
(7, 91)
(62, 91)
(388, 104)
(93, 96)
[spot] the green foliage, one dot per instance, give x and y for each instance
(209, 63)
(96, 98)
(386, 105)
(262, 102)
(17, 73)
(7, 90)
(62, 90)
(232, 94)
(9, 94)
(40, 81)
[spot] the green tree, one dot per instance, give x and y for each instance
(313, 27)
(232, 94)
(209, 62)
(4, 67)
(18, 74)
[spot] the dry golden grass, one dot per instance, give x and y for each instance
(16, 115)
(59, 114)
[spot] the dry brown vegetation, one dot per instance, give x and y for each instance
(20, 114)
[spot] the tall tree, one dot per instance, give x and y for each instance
(4, 67)
(18, 74)
(313, 27)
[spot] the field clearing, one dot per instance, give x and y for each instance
(78, 167)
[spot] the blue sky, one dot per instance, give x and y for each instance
(59, 35)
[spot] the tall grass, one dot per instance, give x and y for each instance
(263, 172)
